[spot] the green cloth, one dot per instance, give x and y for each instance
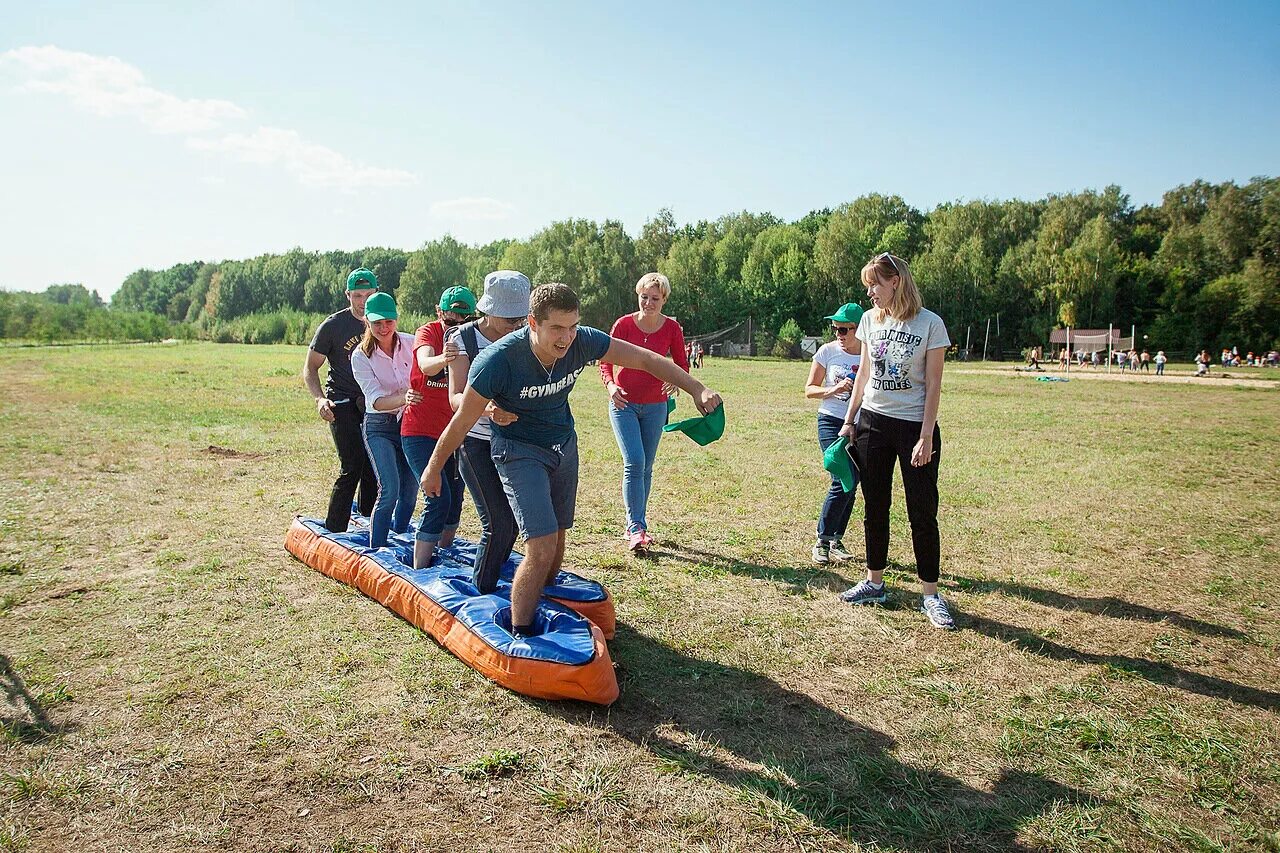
(703, 430)
(838, 464)
(381, 306)
(671, 405)
(362, 279)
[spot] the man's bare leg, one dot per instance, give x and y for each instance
(531, 575)
(554, 568)
(422, 553)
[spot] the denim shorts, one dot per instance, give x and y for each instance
(541, 483)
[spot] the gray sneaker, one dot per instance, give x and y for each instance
(838, 552)
(822, 553)
(865, 593)
(936, 609)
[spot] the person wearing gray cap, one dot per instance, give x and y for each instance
(505, 305)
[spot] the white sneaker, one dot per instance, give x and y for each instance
(822, 553)
(939, 614)
(838, 552)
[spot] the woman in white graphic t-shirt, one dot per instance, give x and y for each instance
(897, 390)
(831, 378)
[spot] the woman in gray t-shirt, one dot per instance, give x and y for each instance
(897, 389)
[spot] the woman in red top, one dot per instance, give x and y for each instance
(425, 420)
(638, 401)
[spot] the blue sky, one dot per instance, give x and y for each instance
(137, 135)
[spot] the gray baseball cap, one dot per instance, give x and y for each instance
(506, 295)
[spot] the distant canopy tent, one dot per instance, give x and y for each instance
(1089, 340)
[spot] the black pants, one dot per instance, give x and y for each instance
(881, 441)
(357, 470)
(498, 529)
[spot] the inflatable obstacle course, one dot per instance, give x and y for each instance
(568, 659)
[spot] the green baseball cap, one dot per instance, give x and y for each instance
(381, 306)
(850, 312)
(459, 300)
(362, 279)
(838, 463)
(703, 430)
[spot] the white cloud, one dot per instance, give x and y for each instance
(107, 86)
(311, 164)
(482, 209)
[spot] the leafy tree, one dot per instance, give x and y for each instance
(853, 234)
(775, 278)
(438, 265)
(73, 294)
(656, 238)
(323, 289)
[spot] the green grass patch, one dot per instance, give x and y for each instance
(177, 681)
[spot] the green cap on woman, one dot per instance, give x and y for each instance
(381, 306)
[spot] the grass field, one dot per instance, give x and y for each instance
(176, 681)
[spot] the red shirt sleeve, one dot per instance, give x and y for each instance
(431, 335)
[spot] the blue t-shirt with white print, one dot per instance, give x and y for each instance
(508, 373)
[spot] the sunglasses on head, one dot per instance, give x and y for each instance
(885, 256)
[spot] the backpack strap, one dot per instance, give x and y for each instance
(467, 333)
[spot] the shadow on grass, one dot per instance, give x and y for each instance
(23, 715)
(1106, 605)
(1154, 671)
(799, 763)
(799, 579)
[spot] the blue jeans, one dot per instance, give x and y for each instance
(638, 428)
(498, 528)
(397, 487)
(442, 512)
(838, 505)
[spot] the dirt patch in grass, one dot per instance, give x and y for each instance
(228, 453)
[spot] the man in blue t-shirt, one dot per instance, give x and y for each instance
(529, 373)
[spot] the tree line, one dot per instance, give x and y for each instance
(70, 312)
(1201, 269)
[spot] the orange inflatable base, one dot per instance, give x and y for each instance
(591, 682)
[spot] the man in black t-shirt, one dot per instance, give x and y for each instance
(340, 402)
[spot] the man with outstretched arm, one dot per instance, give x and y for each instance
(530, 373)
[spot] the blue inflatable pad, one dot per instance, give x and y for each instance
(563, 636)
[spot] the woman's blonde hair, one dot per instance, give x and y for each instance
(906, 303)
(655, 279)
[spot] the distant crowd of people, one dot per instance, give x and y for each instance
(1232, 358)
(1126, 360)
(693, 353)
(1135, 360)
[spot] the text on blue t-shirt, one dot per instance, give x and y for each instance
(508, 373)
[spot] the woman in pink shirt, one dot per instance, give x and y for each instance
(638, 401)
(381, 365)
